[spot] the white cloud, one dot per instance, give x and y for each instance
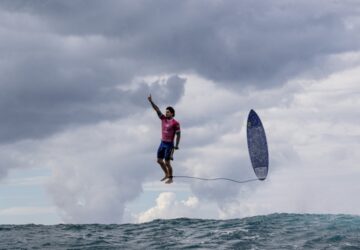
(159, 186)
(100, 168)
(167, 207)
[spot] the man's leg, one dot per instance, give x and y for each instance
(170, 171)
(160, 156)
(164, 168)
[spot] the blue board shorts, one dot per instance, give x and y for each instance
(165, 150)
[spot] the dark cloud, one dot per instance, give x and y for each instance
(48, 105)
(63, 61)
(247, 42)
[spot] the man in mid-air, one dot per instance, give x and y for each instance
(170, 127)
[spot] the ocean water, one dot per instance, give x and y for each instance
(275, 231)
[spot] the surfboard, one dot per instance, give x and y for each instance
(257, 145)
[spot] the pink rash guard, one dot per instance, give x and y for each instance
(169, 127)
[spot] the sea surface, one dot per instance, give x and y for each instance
(275, 231)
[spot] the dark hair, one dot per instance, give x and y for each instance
(171, 109)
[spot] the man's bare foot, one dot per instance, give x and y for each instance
(163, 179)
(169, 181)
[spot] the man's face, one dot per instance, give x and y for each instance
(168, 114)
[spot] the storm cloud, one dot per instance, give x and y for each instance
(63, 61)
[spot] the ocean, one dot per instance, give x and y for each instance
(275, 231)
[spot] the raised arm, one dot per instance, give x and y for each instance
(156, 108)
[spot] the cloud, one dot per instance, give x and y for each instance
(98, 169)
(64, 61)
(249, 42)
(39, 111)
(167, 207)
(51, 81)
(19, 155)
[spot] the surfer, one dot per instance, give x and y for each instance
(170, 127)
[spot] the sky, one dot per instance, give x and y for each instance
(78, 137)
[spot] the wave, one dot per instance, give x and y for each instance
(275, 231)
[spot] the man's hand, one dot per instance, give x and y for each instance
(156, 108)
